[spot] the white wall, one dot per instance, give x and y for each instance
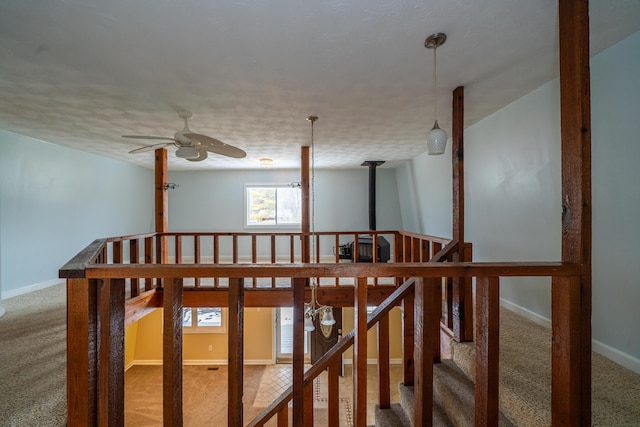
(513, 194)
(214, 200)
(54, 201)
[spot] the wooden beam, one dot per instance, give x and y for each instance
(298, 351)
(82, 350)
(333, 392)
(408, 339)
(457, 155)
(423, 352)
(236, 352)
(575, 124)
(487, 350)
(110, 330)
(161, 195)
(384, 386)
(360, 355)
(172, 354)
(305, 208)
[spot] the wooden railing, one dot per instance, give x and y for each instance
(97, 312)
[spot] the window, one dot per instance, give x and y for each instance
(272, 206)
(204, 320)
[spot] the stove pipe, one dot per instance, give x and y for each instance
(372, 164)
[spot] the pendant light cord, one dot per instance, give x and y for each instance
(435, 81)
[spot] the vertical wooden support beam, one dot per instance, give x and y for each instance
(334, 392)
(487, 350)
(436, 302)
(408, 339)
(82, 352)
(306, 209)
(423, 352)
(360, 354)
(148, 259)
(236, 351)
(161, 201)
(172, 353)
(572, 396)
(134, 257)
(283, 417)
(298, 351)
(111, 352)
(308, 404)
(462, 325)
(384, 386)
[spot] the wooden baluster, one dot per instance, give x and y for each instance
(487, 350)
(82, 352)
(334, 392)
(235, 249)
(172, 353)
(178, 245)
(254, 250)
(110, 328)
(134, 254)
(360, 354)
(356, 246)
(283, 417)
(384, 392)
(273, 257)
(236, 351)
(308, 404)
(216, 257)
(423, 351)
(408, 339)
(292, 249)
(196, 257)
(425, 255)
(148, 259)
(298, 351)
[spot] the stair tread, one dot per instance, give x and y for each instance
(395, 416)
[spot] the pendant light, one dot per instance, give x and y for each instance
(436, 138)
(314, 309)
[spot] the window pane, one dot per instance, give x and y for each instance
(209, 317)
(261, 204)
(286, 332)
(186, 317)
(288, 206)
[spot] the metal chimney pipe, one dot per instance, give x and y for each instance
(372, 164)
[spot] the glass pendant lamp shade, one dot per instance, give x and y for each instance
(308, 324)
(436, 140)
(327, 318)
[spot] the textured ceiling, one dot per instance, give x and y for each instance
(80, 73)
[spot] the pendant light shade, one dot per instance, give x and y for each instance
(436, 138)
(327, 317)
(308, 324)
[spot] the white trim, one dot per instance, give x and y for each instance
(346, 361)
(605, 350)
(31, 288)
(527, 314)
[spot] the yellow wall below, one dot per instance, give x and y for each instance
(143, 339)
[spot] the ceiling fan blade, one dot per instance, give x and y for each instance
(227, 150)
(204, 139)
(148, 137)
(151, 147)
(202, 154)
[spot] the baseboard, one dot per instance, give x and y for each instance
(605, 350)
(346, 361)
(199, 362)
(31, 288)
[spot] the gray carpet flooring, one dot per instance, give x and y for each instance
(33, 366)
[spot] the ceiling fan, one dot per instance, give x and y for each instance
(191, 146)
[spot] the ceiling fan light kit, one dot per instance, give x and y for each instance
(436, 138)
(191, 146)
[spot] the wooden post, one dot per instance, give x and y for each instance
(111, 352)
(334, 392)
(306, 211)
(172, 353)
(298, 351)
(236, 351)
(384, 386)
(423, 352)
(162, 207)
(487, 350)
(360, 354)
(82, 352)
(408, 339)
(571, 358)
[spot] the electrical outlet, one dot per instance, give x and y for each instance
(210, 347)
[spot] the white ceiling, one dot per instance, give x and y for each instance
(80, 73)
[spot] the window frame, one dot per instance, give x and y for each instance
(247, 225)
(198, 329)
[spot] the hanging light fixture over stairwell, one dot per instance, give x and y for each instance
(314, 309)
(436, 138)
